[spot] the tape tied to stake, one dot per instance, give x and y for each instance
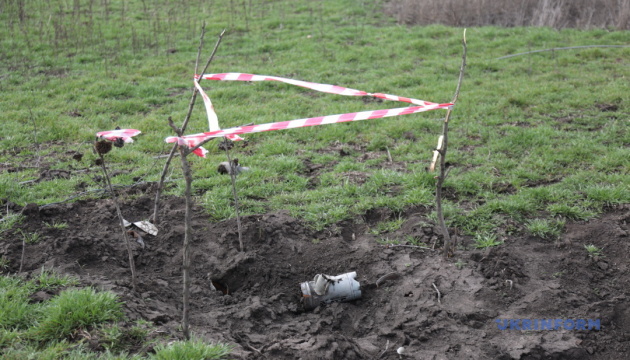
(233, 133)
(124, 134)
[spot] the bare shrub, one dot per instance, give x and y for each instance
(584, 14)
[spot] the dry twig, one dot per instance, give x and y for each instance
(384, 351)
(439, 296)
(232, 173)
(407, 246)
(132, 266)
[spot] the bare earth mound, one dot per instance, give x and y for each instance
(256, 302)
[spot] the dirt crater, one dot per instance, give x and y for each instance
(251, 298)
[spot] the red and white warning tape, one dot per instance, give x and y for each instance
(113, 135)
(331, 89)
(232, 133)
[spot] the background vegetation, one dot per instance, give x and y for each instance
(584, 14)
(535, 140)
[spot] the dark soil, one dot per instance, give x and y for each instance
(252, 299)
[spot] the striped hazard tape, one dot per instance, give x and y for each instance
(331, 89)
(232, 133)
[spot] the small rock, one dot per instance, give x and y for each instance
(602, 265)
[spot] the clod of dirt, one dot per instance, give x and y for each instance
(225, 145)
(77, 156)
(409, 136)
(102, 147)
(31, 210)
(607, 107)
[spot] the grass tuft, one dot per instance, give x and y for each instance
(75, 309)
(593, 251)
(191, 349)
(483, 241)
(545, 228)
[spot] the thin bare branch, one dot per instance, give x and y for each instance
(439, 295)
(406, 246)
(22, 258)
(191, 106)
(448, 244)
(125, 238)
(187, 240)
(232, 173)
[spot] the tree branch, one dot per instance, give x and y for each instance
(448, 244)
(191, 105)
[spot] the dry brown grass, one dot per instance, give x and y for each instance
(583, 14)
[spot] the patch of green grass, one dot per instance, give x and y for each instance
(30, 238)
(593, 251)
(16, 311)
(50, 329)
(191, 349)
(545, 228)
(74, 309)
(56, 224)
(483, 241)
(4, 263)
(507, 140)
(412, 240)
(573, 212)
(117, 339)
(387, 226)
(10, 221)
(49, 280)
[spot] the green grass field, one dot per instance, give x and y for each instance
(535, 135)
(535, 140)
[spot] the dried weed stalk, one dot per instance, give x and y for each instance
(102, 147)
